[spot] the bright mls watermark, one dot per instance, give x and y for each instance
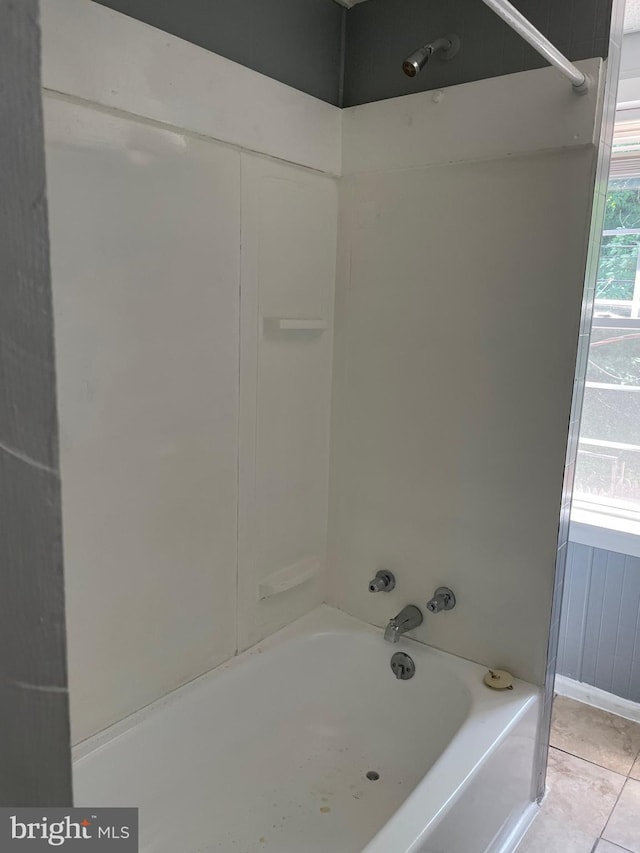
(69, 829)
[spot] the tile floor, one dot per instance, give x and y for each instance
(593, 784)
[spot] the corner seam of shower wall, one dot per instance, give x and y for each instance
(238, 424)
(343, 58)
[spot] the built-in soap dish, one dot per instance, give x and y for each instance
(291, 576)
(294, 325)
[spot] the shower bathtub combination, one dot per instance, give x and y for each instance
(307, 743)
(262, 404)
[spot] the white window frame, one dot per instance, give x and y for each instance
(613, 526)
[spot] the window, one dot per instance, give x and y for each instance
(608, 466)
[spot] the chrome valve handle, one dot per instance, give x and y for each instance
(443, 599)
(384, 581)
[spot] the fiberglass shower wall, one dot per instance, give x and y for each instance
(194, 424)
(464, 226)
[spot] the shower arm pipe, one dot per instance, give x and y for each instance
(521, 25)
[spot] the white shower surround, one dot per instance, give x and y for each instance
(98, 64)
(439, 365)
(173, 495)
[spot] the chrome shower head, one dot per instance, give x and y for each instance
(446, 48)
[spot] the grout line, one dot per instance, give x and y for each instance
(626, 778)
(593, 763)
(604, 828)
(633, 764)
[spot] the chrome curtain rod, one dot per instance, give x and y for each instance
(517, 21)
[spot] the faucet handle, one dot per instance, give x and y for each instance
(384, 581)
(443, 599)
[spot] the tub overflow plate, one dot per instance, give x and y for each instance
(402, 666)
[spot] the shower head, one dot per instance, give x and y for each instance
(446, 48)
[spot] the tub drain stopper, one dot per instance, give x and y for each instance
(499, 679)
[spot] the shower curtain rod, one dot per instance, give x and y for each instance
(521, 25)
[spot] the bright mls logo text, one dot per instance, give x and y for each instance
(56, 833)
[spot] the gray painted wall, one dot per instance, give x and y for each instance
(35, 761)
(380, 33)
(298, 42)
(355, 56)
(600, 623)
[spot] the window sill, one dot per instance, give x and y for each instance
(608, 532)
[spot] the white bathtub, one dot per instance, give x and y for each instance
(270, 752)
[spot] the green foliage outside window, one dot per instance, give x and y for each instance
(622, 205)
(614, 356)
(618, 256)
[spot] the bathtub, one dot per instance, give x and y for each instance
(270, 752)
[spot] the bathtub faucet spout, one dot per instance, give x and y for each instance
(408, 618)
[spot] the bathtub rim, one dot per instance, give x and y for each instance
(492, 714)
(323, 619)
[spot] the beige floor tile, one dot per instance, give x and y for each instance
(550, 835)
(635, 770)
(598, 736)
(608, 847)
(580, 794)
(623, 827)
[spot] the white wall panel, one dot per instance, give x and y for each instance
(145, 231)
(499, 117)
(288, 275)
(458, 308)
(94, 53)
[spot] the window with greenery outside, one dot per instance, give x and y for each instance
(608, 469)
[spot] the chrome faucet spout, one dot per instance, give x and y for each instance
(408, 619)
(392, 632)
